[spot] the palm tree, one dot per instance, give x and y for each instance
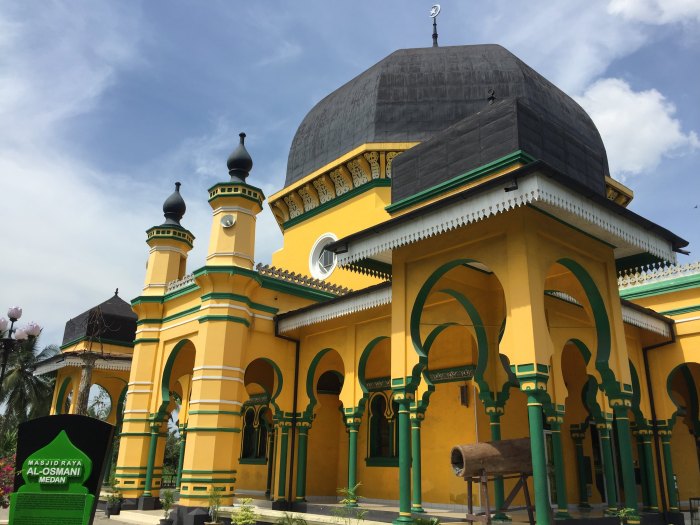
(24, 395)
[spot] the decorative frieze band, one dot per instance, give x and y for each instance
(534, 189)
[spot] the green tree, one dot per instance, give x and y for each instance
(24, 395)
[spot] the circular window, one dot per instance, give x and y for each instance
(321, 261)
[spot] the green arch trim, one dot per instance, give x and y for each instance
(61, 395)
(120, 406)
(280, 383)
(165, 380)
(588, 396)
(693, 409)
(602, 324)
(309, 412)
(361, 371)
(639, 418)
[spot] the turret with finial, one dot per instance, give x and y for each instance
(239, 162)
(174, 208)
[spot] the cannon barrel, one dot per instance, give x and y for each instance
(509, 456)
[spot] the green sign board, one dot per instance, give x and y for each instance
(53, 490)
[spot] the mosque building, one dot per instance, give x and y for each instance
(458, 266)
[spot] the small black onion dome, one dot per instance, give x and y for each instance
(239, 162)
(174, 208)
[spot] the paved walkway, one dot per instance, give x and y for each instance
(152, 517)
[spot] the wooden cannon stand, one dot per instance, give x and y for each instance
(483, 479)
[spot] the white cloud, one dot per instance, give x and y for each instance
(656, 11)
(638, 127)
(569, 43)
(69, 235)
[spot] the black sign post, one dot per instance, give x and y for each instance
(59, 470)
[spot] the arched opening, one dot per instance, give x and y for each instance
(327, 440)
(256, 457)
(683, 386)
(456, 325)
(99, 402)
(176, 387)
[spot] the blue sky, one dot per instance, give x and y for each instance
(104, 105)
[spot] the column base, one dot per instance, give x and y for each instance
(280, 504)
(148, 503)
(501, 516)
(417, 509)
(562, 515)
(403, 520)
(584, 506)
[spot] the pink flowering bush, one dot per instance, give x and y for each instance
(7, 480)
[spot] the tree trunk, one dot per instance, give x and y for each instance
(85, 384)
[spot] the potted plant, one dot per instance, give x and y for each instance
(167, 498)
(114, 504)
(214, 505)
(244, 514)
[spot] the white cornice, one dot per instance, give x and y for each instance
(645, 321)
(73, 361)
(344, 306)
(535, 189)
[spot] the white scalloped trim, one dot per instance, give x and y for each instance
(535, 189)
(339, 309)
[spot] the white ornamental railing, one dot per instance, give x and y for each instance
(653, 273)
(179, 284)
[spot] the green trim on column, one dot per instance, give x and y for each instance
(498, 487)
(539, 462)
(301, 463)
(608, 471)
(353, 429)
(559, 473)
(151, 461)
(416, 503)
(580, 465)
(624, 433)
(181, 461)
(282, 478)
(642, 470)
(668, 467)
(404, 462)
(653, 502)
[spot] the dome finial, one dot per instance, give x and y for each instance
(239, 162)
(174, 208)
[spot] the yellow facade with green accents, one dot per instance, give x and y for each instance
(451, 272)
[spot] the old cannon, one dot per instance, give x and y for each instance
(484, 462)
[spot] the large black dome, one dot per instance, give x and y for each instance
(413, 94)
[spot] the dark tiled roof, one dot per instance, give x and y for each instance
(111, 320)
(498, 130)
(414, 94)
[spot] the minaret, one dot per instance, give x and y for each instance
(235, 205)
(169, 243)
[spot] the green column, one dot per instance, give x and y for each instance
(498, 489)
(653, 503)
(559, 472)
(642, 468)
(181, 460)
(301, 463)
(580, 467)
(622, 423)
(282, 478)
(608, 470)
(270, 460)
(416, 505)
(539, 462)
(151, 459)
(353, 425)
(404, 463)
(668, 467)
